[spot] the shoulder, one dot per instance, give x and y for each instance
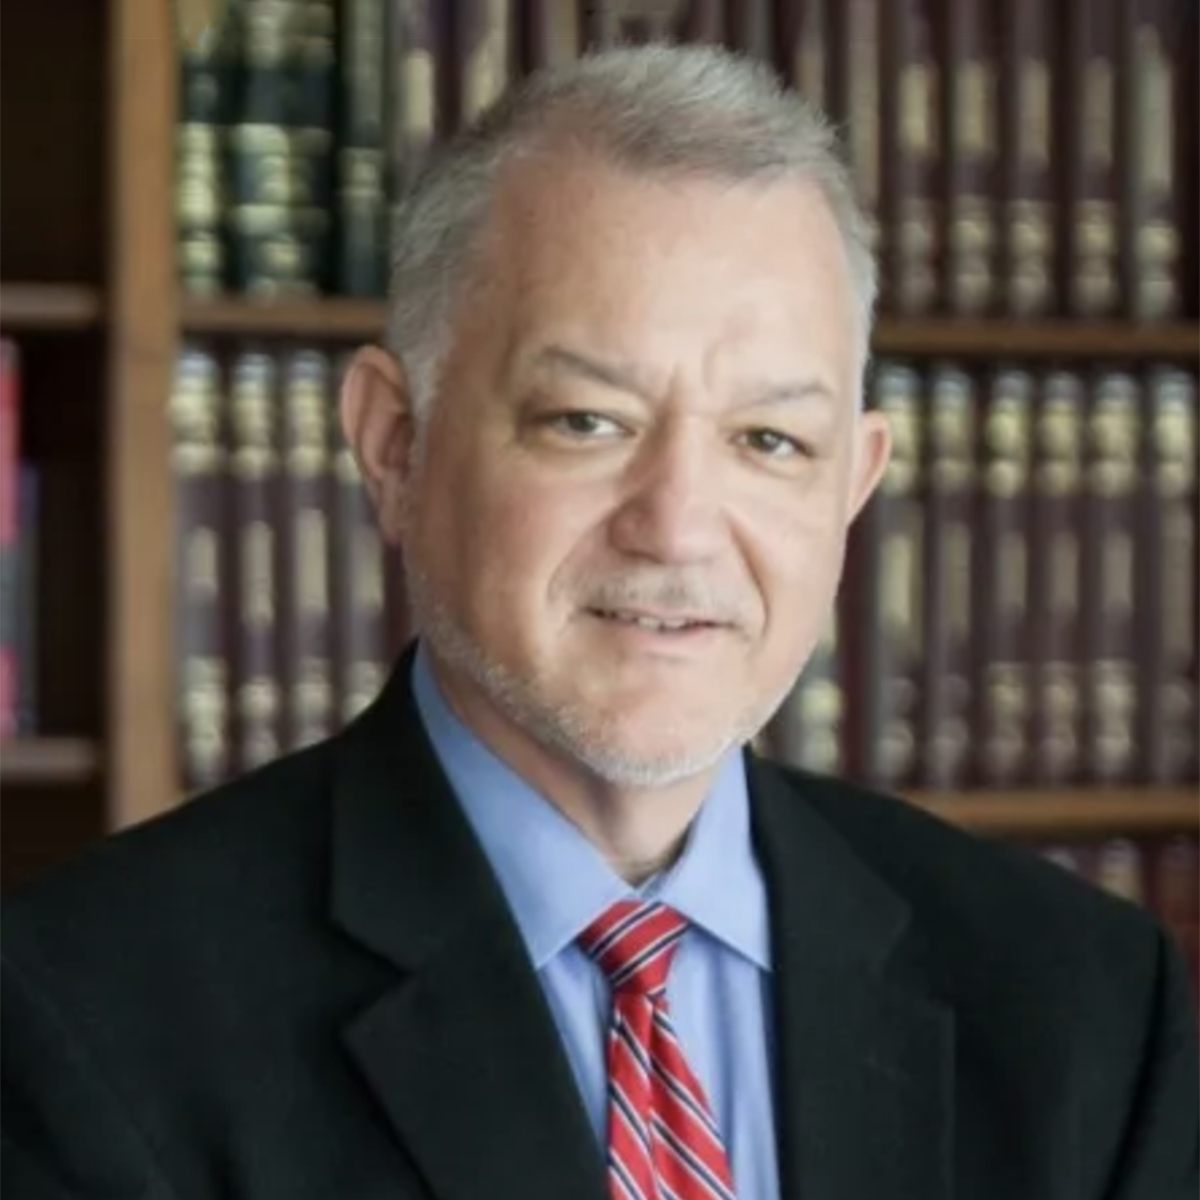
(252, 841)
(995, 909)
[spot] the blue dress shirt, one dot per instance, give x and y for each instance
(557, 883)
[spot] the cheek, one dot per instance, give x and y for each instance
(794, 547)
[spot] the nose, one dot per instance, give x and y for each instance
(671, 510)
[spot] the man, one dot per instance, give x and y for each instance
(538, 925)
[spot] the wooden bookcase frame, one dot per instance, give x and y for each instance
(141, 317)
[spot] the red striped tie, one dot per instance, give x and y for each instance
(663, 1143)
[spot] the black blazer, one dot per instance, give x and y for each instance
(306, 985)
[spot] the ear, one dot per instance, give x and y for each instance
(872, 450)
(377, 420)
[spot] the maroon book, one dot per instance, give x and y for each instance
(971, 161)
(1089, 139)
(1055, 580)
(1027, 147)
(199, 468)
(950, 416)
(1000, 561)
(803, 49)
(255, 468)
(910, 85)
(304, 540)
(1151, 49)
(883, 613)
(1111, 471)
(1165, 571)
(854, 99)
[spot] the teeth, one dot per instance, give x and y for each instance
(653, 623)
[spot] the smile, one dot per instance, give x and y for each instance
(653, 623)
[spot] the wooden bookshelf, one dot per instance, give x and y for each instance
(1033, 813)
(349, 319)
(88, 232)
(49, 760)
(32, 306)
(319, 318)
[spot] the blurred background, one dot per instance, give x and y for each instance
(195, 204)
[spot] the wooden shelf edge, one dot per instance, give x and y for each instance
(49, 306)
(1130, 812)
(1038, 339)
(40, 760)
(334, 317)
(347, 318)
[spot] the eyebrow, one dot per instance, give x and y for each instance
(625, 379)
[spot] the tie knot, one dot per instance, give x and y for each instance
(634, 942)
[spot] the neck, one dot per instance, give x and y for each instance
(639, 830)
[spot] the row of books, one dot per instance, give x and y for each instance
(286, 614)
(1019, 606)
(1015, 157)
(1160, 873)
(18, 557)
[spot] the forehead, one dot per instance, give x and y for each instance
(575, 239)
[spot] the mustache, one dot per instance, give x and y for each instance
(668, 595)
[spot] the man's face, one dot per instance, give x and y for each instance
(628, 524)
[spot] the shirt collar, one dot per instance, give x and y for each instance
(557, 882)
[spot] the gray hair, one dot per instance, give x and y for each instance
(654, 109)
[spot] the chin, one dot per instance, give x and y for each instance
(635, 748)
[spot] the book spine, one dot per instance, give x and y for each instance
(1026, 124)
(910, 150)
(636, 21)
(972, 154)
(10, 459)
(312, 77)
(554, 33)
(889, 629)
(1166, 581)
(855, 97)
(483, 54)
(265, 256)
(415, 112)
(255, 469)
(749, 28)
(1111, 463)
(204, 114)
(803, 49)
(945, 724)
(1001, 574)
(1091, 155)
(1151, 232)
(1054, 576)
(361, 201)
(198, 467)
(307, 675)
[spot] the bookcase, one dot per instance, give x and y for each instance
(89, 292)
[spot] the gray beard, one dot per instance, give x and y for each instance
(570, 730)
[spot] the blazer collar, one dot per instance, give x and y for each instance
(462, 1050)
(865, 1061)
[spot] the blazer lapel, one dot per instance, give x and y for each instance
(865, 1054)
(461, 1051)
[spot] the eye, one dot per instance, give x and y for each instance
(773, 444)
(581, 423)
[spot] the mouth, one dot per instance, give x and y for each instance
(655, 623)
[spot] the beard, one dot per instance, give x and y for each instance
(575, 730)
